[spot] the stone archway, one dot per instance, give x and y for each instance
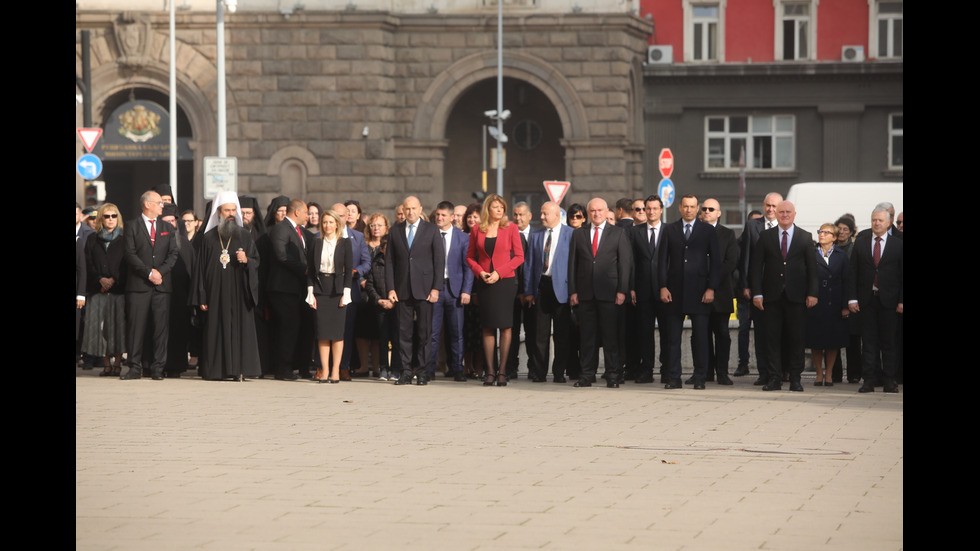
(196, 80)
(428, 145)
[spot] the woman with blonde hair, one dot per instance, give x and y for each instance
(105, 311)
(494, 255)
(331, 262)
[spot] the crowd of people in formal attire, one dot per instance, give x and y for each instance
(329, 294)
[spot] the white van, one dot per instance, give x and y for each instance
(820, 202)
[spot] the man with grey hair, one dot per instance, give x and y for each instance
(875, 287)
(151, 252)
(226, 289)
(893, 231)
(599, 267)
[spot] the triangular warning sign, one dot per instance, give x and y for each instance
(90, 137)
(557, 190)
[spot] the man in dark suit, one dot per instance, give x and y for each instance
(719, 336)
(456, 290)
(151, 252)
(783, 278)
(599, 268)
(875, 287)
(415, 264)
(523, 313)
(286, 287)
(750, 236)
(645, 240)
(688, 272)
(546, 289)
(624, 213)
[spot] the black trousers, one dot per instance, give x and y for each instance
(878, 329)
(414, 334)
(141, 308)
(599, 319)
(551, 318)
(785, 328)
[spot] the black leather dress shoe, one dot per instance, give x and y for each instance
(774, 384)
(612, 384)
(867, 387)
(891, 387)
(795, 386)
(742, 370)
(560, 379)
(459, 377)
(690, 381)
(699, 385)
(422, 380)
(133, 373)
(725, 380)
(582, 383)
(672, 384)
(405, 379)
(761, 381)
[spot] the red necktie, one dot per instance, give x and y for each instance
(784, 247)
(153, 233)
(877, 257)
(299, 232)
(595, 241)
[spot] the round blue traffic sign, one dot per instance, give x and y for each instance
(89, 166)
(666, 192)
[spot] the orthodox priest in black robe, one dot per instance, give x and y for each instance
(226, 289)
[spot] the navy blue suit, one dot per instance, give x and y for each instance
(449, 309)
(687, 268)
(551, 300)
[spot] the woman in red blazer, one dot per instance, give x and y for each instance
(494, 255)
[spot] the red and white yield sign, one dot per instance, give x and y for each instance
(89, 136)
(666, 162)
(557, 190)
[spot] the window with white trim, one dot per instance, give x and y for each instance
(796, 30)
(896, 129)
(704, 30)
(887, 33)
(768, 141)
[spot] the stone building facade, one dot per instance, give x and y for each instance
(376, 105)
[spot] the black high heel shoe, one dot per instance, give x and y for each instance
(490, 378)
(502, 379)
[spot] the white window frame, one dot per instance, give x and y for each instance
(874, 17)
(892, 134)
(777, 137)
(689, 23)
(811, 37)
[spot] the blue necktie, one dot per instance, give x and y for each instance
(411, 235)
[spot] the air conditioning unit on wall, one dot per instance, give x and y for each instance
(852, 54)
(660, 55)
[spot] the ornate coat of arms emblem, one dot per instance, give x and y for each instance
(139, 124)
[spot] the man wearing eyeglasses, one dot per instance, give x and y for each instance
(719, 337)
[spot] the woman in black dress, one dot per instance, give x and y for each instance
(826, 323)
(494, 255)
(329, 289)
